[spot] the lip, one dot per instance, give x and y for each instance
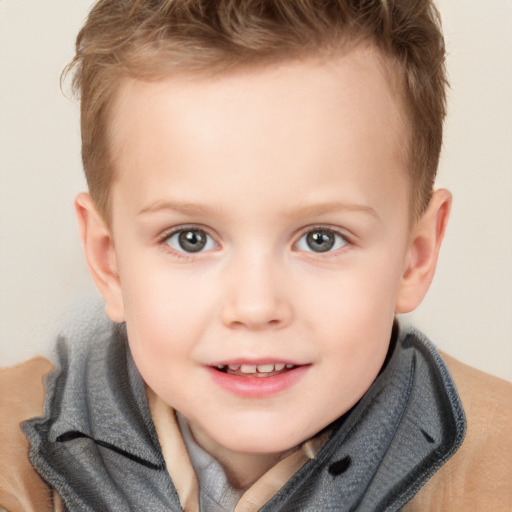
(256, 362)
(258, 387)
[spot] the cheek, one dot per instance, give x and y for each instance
(355, 312)
(350, 302)
(166, 318)
(166, 310)
(357, 341)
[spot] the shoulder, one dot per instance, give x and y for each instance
(487, 402)
(22, 386)
(21, 397)
(479, 476)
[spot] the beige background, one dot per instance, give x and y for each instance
(468, 311)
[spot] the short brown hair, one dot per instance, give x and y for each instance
(151, 39)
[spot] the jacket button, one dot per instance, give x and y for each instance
(340, 466)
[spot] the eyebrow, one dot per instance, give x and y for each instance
(175, 207)
(334, 207)
(191, 209)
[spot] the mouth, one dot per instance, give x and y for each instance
(256, 370)
(257, 379)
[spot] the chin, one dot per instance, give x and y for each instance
(264, 440)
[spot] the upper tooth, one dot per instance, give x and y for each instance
(259, 368)
(265, 368)
(221, 366)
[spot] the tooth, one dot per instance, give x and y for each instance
(265, 368)
(248, 368)
(279, 366)
(289, 366)
(234, 367)
(221, 366)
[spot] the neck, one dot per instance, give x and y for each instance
(242, 469)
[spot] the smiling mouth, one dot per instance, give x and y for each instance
(255, 370)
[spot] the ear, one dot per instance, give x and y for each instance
(99, 252)
(425, 243)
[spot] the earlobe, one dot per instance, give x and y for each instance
(99, 252)
(426, 238)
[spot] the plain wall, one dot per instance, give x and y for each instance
(468, 311)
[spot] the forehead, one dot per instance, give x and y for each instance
(338, 111)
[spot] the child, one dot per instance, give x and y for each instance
(260, 207)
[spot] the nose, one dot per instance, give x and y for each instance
(256, 295)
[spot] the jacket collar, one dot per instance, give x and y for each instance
(97, 392)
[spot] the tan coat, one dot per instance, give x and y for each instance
(477, 478)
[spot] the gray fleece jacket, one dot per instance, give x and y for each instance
(97, 446)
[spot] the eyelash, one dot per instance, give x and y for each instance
(184, 255)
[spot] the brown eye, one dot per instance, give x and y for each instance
(190, 240)
(321, 240)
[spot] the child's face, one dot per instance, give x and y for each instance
(260, 219)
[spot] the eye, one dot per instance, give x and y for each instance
(321, 240)
(190, 240)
